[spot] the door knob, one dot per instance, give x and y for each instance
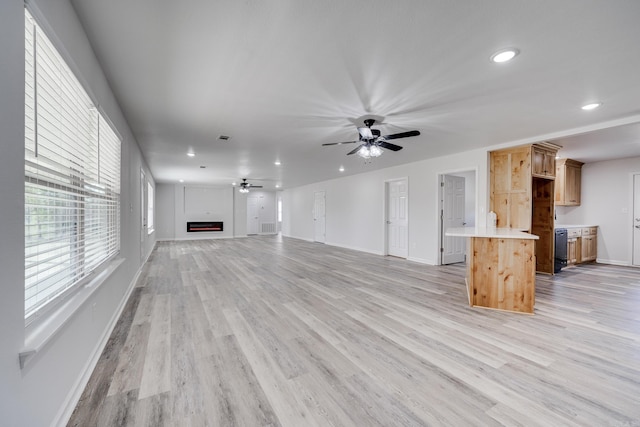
(637, 226)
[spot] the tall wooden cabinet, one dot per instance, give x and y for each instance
(522, 185)
(510, 174)
(568, 182)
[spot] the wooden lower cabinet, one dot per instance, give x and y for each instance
(582, 245)
(573, 250)
(589, 250)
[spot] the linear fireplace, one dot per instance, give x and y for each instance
(196, 226)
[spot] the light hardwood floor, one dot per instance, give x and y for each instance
(269, 331)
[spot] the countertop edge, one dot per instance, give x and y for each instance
(502, 233)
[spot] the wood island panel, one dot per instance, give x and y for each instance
(501, 273)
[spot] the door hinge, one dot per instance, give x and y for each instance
(441, 249)
(441, 183)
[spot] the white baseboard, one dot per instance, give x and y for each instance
(355, 248)
(613, 262)
(296, 237)
(63, 416)
(422, 261)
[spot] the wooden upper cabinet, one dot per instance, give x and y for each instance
(544, 162)
(568, 182)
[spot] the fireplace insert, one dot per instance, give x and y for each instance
(196, 226)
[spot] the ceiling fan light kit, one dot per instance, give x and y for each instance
(367, 152)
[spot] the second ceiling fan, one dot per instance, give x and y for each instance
(372, 142)
(245, 186)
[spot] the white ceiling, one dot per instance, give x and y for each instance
(282, 77)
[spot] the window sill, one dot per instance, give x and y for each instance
(38, 336)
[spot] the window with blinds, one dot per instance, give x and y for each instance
(72, 178)
(151, 199)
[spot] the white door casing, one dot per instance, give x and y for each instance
(636, 220)
(319, 216)
(397, 218)
(253, 215)
(453, 196)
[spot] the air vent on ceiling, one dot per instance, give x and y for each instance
(224, 137)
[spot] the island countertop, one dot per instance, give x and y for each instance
(490, 232)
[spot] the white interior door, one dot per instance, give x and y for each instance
(453, 195)
(319, 219)
(397, 218)
(253, 215)
(636, 219)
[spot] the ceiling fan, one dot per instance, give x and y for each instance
(371, 141)
(244, 186)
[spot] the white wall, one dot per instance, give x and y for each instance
(165, 212)
(355, 208)
(606, 202)
(180, 203)
(44, 392)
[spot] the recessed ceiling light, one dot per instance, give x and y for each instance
(277, 163)
(277, 185)
(234, 184)
(182, 180)
(341, 169)
(505, 55)
(190, 154)
(591, 106)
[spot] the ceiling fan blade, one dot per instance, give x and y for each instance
(339, 143)
(389, 146)
(402, 135)
(254, 186)
(355, 150)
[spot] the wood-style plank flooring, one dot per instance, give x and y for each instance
(271, 331)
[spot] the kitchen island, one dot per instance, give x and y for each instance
(501, 267)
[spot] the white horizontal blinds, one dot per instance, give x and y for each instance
(102, 219)
(71, 217)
